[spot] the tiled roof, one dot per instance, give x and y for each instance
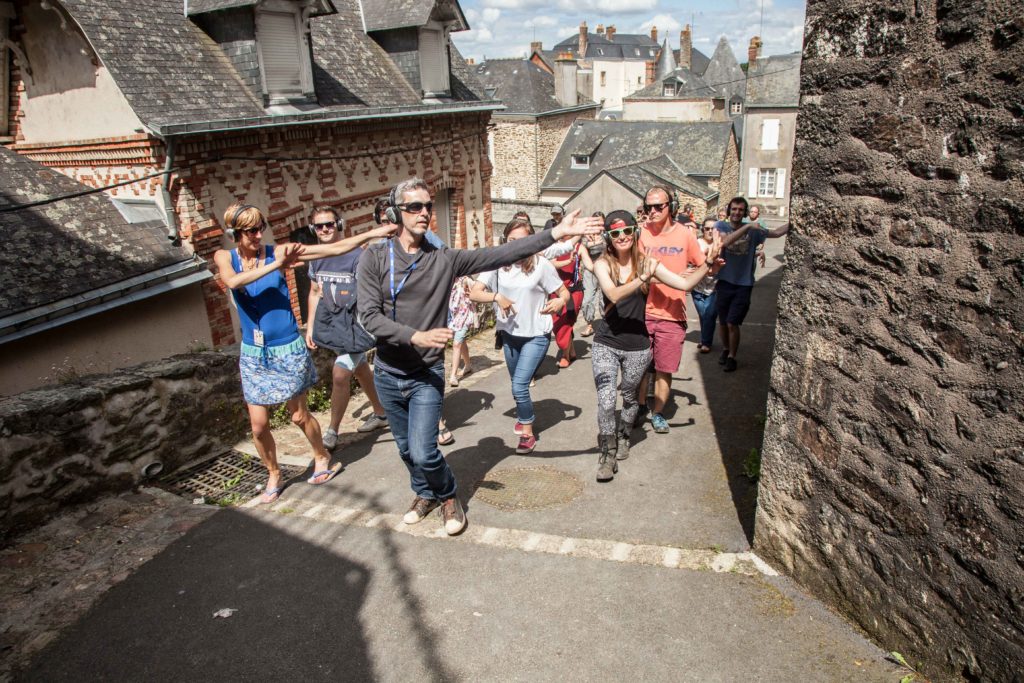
(172, 72)
(202, 6)
(698, 60)
(688, 86)
(724, 73)
(697, 148)
(624, 47)
(774, 81)
(522, 86)
(641, 176)
(381, 15)
(70, 247)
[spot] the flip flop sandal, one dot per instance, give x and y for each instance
(465, 372)
(270, 496)
(336, 468)
(443, 440)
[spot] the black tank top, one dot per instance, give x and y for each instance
(623, 327)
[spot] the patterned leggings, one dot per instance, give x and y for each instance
(607, 362)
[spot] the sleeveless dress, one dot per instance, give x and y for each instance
(282, 367)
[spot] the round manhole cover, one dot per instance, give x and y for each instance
(528, 488)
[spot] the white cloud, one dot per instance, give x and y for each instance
(490, 15)
(541, 21)
(666, 23)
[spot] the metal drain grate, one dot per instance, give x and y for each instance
(229, 479)
(527, 488)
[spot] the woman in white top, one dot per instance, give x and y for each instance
(520, 296)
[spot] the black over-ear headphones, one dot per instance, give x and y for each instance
(391, 212)
(232, 231)
(338, 220)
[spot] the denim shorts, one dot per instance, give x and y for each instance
(460, 335)
(350, 361)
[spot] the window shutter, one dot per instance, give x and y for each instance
(433, 61)
(279, 43)
(752, 183)
(770, 134)
(780, 183)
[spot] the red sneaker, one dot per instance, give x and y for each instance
(526, 444)
(518, 428)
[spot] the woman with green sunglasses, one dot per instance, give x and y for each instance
(621, 344)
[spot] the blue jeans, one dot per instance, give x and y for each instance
(413, 407)
(707, 311)
(523, 356)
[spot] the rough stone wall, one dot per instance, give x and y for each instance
(729, 181)
(892, 478)
(553, 130)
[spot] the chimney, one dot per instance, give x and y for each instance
(600, 29)
(470, 61)
(654, 34)
(754, 51)
(536, 47)
(609, 33)
(685, 47)
(565, 80)
(582, 49)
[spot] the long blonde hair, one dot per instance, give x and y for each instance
(636, 258)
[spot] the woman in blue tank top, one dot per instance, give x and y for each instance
(275, 365)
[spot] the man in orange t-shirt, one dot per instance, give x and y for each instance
(675, 246)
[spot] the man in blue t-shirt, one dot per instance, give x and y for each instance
(736, 278)
(332, 321)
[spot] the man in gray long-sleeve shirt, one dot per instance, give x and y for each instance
(403, 288)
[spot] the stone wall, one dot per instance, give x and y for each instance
(893, 466)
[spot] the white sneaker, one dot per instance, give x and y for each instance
(330, 439)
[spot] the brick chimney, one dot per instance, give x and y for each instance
(754, 51)
(582, 50)
(685, 47)
(654, 33)
(536, 47)
(600, 29)
(609, 33)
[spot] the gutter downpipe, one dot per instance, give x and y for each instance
(169, 216)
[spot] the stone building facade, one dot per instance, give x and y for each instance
(892, 480)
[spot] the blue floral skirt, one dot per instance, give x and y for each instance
(275, 374)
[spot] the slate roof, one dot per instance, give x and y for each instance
(625, 46)
(196, 7)
(381, 15)
(697, 148)
(724, 73)
(72, 247)
(774, 81)
(522, 86)
(698, 60)
(689, 86)
(641, 176)
(172, 72)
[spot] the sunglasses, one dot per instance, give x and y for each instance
(416, 207)
(619, 232)
(253, 231)
(655, 207)
(330, 225)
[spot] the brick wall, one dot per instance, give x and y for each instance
(893, 468)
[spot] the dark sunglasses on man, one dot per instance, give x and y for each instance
(329, 225)
(655, 207)
(416, 207)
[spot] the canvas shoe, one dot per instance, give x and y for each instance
(454, 516)
(659, 423)
(517, 429)
(330, 439)
(420, 508)
(526, 444)
(373, 422)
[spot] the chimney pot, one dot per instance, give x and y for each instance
(600, 29)
(654, 33)
(754, 51)
(609, 32)
(470, 61)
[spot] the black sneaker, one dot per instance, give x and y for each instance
(730, 365)
(723, 357)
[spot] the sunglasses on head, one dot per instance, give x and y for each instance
(329, 225)
(619, 232)
(416, 207)
(655, 207)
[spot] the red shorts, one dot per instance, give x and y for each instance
(666, 343)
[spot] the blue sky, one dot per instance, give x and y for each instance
(505, 28)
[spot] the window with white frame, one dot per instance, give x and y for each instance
(766, 182)
(434, 78)
(581, 161)
(735, 107)
(283, 51)
(770, 134)
(668, 90)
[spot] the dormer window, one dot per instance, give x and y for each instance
(434, 60)
(581, 162)
(669, 90)
(736, 107)
(281, 35)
